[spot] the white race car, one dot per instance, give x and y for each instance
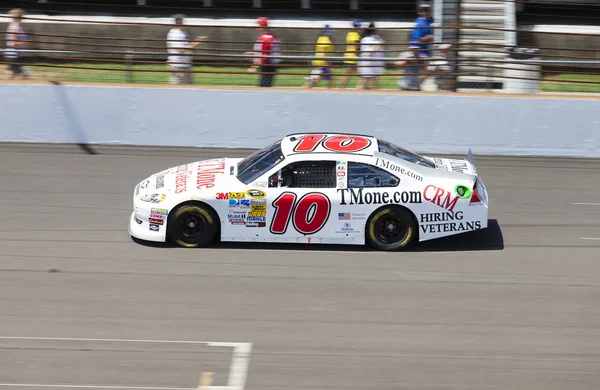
(313, 188)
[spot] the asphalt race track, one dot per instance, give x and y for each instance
(516, 306)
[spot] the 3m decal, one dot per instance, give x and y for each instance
(222, 196)
(237, 195)
(257, 194)
(434, 195)
(308, 215)
(337, 143)
(396, 168)
(358, 196)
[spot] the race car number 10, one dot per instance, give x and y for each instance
(334, 143)
(308, 215)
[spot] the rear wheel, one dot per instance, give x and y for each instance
(391, 228)
(192, 225)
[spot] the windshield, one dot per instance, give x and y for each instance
(390, 148)
(259, 162)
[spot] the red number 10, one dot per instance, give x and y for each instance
(337, 143)
(308, 215)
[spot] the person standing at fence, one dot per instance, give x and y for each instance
(179, 47)
(445, 68)
(422, 33)
(371, 46)
(413, 76)
(15, 39)
(352, 52)
(265, 47)
(322, 67)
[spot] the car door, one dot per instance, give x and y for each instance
(302, 202)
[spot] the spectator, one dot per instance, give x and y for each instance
(266, 45)
(180, 63)
(410, 60)
(15, 39)
(352, 51)
(445, 69)
(370, 47)
(322, 68)
(422, 33)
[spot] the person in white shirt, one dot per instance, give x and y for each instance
(179, 47)
(371, 46)
(15, 39)
(412, 62)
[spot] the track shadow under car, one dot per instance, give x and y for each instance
(480, 240)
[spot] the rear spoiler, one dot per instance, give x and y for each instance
(469, 157)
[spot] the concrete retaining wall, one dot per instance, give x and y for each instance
(251, 118)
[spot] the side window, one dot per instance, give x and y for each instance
(305, 174)
(366, 176)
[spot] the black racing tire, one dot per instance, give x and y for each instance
(391, 228)
(192, 225)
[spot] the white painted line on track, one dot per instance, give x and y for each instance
(590, 238)
(238, 370)
(588, 204)
(239, 364)
(95, 387)
(107, 387)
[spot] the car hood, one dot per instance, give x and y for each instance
(191, 178)
(451, 165)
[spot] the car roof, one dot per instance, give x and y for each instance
(325, 143)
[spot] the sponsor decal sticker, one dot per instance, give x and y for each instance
(257, 194)
(257, 214)
(156, 221)
(158, 211)
(207, 173)
(440, 197)
(446, 222)
(237, 195)
(222, 196)
(157, 216)
(347, 228)
(344, 216)
(241, 203)
(145, 184)
(396, 168)
(258, 205)
(153, 198)
(160, 180)
(340, 173)
(354, 196)
(154, 227)
(256, 224)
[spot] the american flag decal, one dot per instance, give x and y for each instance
(344, 216)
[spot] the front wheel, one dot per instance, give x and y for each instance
(391, 228)
(192, 225)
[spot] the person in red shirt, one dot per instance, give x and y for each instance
(266, 46)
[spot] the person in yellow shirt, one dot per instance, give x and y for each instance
(352, 48)
(322, 68)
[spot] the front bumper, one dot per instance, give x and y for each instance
(148, 221)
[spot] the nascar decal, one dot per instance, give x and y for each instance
(257, 194)
(337, 143)
(308, 215)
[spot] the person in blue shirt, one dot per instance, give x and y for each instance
(422, 33)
